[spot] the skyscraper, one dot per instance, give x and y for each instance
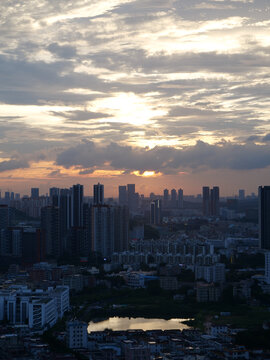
(98, 194)
(53, 192)
(102, 229)
(77, 206)
(173, 198)
(166, 198)
(122, 195)
(180, 199)
(121, 229)
(131, 197)
(241, 194)
(206, 200)
(4, 216)
(33, 246)
(156, 212)
(50, 225)
(65, 212)
(264, 217)
(34, 193)
(214, 210)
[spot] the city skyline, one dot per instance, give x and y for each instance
(129, 91)
(103, 193)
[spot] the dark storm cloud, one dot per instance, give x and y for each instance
(166, 159)
(13, 165)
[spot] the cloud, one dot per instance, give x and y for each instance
(13, 165)
(79, 115)
(266, 138)
(167, 160)
(194, 74)
(63, 51)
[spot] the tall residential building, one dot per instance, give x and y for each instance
(87, 225)
(11, 242)
(180, 199)
(98, 194)
(122, 195)
(267, 267)
(77, 205)
(121, 229)
(156, 212)
(206, 200)
(210, 201)
(77, 242)
(131, 197)
(214, 210)
(7, 195)
(166, 198)
(65, 213)
(34, 193)
(54, 192)
(102, 229)
(264, 217)
(173, 198)
(4, 216)
(33, 246)
(241, 194)
(50, 225)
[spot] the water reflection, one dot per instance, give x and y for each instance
(125, 323)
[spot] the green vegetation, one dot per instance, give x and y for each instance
(254, 339)
(151, 233)
(56, 345)
(156, 303)
(244, 261)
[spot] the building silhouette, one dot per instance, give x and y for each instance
(264, 217)
(180, 199)
(173, 198)
(122, 195)
(98, 194)
(34, 193)
(210, 201)
(206, 200)
(77, 205)
(156, 212)
(166, 198)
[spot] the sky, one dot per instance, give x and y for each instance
(159, 93)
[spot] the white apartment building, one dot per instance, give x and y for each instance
(214, 273)
(39, 309)
(42, 313)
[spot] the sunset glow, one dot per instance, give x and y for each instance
(128, 90)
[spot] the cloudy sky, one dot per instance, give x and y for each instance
(162, 93)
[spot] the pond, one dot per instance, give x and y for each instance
(125, 323)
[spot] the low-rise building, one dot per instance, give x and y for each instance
(39, 309)
(77, 334)
(168, 282)
(207, 292)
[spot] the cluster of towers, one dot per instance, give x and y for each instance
(173, 200)
(129, 197)
(210, 201)
(71, 225)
